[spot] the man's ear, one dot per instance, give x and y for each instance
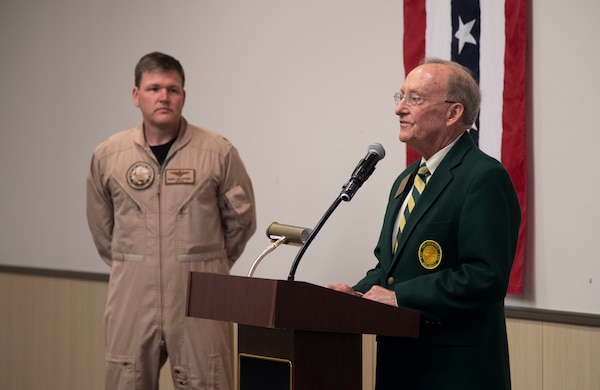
(134, 96)
(455, 113)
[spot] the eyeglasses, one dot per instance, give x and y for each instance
(413, 100)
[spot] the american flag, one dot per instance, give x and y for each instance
(488, 37)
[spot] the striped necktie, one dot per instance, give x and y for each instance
(418, 188)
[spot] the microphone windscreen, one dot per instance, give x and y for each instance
(377, 149)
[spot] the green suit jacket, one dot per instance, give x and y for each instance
(452, 265)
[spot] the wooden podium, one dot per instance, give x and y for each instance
(295, 335)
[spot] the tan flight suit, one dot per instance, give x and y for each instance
(153, 225)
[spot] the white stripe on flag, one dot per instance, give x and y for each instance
(491, 77)
(438, 33)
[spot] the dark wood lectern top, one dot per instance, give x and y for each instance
(295, 305)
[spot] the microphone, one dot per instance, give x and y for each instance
(294, 235)
(363, 171)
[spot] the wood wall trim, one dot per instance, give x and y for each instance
(53, 273)
(554, 316)
(524, 313)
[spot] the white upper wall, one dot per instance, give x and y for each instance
(302, 89)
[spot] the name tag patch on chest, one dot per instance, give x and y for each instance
(180, 176)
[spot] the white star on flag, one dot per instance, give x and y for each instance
(463, 34)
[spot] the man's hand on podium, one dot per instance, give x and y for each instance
(383, 295)
(343, 288)
(376, 293)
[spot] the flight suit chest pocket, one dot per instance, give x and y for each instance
(198, 226)
(129, 230)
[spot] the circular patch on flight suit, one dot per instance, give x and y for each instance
(140, 175)
(430, 254)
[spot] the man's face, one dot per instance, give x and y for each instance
(424, 124)
(160, 98)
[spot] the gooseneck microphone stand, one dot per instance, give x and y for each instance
(361, 173)
(312, 235)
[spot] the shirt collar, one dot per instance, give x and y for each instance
(435, 160)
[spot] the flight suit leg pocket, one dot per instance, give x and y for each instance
(207, 376)
(119, 372)
(180, 377)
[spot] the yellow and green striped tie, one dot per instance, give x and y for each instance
(418, 187)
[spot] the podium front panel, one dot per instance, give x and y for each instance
(318, 360)
(264, 373)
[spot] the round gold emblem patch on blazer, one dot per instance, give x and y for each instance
(430, 254)
(140, 175)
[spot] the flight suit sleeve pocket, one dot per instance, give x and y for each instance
(238, 204)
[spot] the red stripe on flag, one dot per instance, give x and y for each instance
(415, 23)
(514, 134)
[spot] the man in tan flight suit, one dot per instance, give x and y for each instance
(163, 199)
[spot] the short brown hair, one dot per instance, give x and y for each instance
(157, 61)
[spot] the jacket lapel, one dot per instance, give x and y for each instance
(435, 186)
(399, 194)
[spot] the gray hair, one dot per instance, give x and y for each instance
(461, 88)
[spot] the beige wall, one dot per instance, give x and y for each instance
(51, 337)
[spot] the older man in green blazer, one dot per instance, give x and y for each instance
(450, 257)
